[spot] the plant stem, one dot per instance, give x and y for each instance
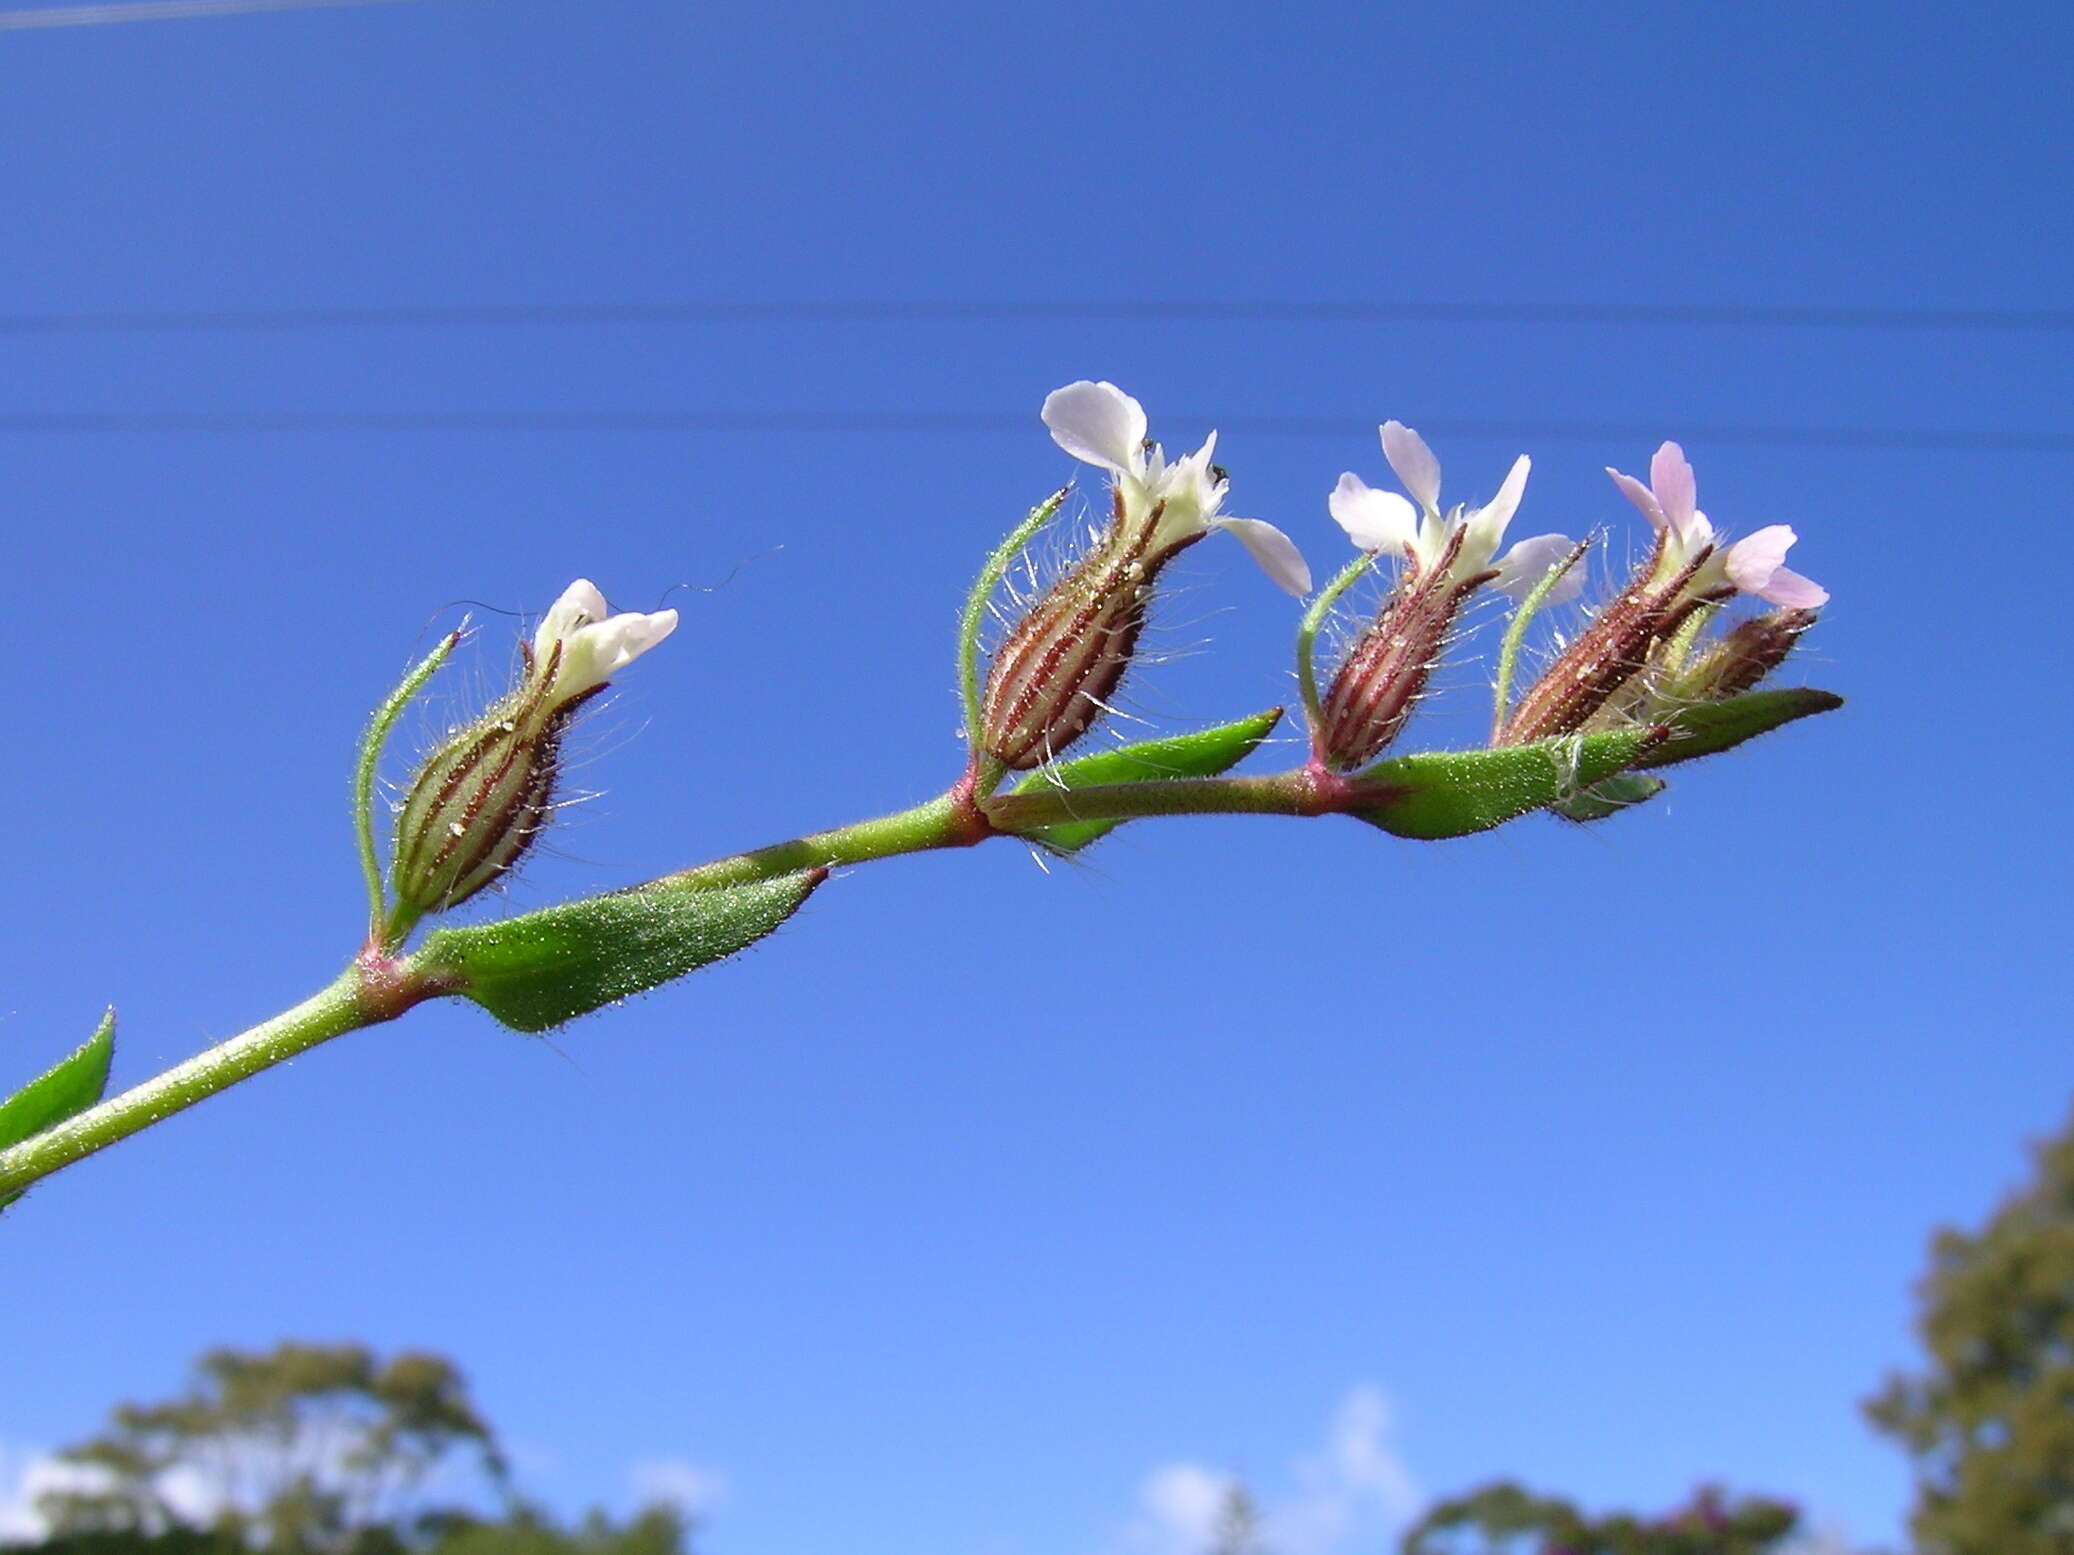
(376, 989)
(946, 822)
(336, 1010)
(1306, 791)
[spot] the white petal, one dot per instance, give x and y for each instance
(1699, 531)
(1486, 526)
(1097, 423)
(1275, 551)
(1640, 495)
(1414, 463)
(1528, 562)
(1677, 493)
(633, 635)
(1374, 520)
(579, 606)
(1192, 494)
(593, 654)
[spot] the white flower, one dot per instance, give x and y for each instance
(1752, 565)
(1385, 522)
(594, 643)
(1099, 424)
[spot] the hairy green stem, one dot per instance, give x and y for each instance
(1302, 792)
(377, 989)
(336, 1010)
(946, 822)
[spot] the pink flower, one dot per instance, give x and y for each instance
(1752, 565)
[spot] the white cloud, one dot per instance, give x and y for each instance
(1827, 1538)
(25, 1474)
(1348, 1497)
(691, 1488)
(1179, 1503)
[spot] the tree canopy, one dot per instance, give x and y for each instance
(316, 1449)
(1507, 1519)
(1990, 1419)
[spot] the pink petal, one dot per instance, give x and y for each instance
(1752, 560)
(1414, 463)
(1374, 520)
(1097, 423)
(1790, 591)
(1677, 493)
(1640, 495)
(1275, 551)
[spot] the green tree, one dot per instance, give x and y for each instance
(1238, 1525)
(306, 1449)
(1505, 1519)
(1990, 1421)
(655, 1530)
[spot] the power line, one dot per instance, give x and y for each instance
(158, 11)
(982, 310)
(1926, 439)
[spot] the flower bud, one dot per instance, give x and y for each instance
(1380, 680)
(1742, 659)
(482, 798)
(1608, 653)
(1054, 675)
(478, 804)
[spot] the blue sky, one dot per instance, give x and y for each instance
(987, 1209)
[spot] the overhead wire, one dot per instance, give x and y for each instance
(25, 18)
(866, 311)
(1921, 439)
(498, 315)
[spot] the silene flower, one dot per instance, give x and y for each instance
(1629, 652)
(1685, 539)
(1464, 542)
(1053, 675)
(482, 798)
(1445, 559)
(581, 644)
(1172, 505)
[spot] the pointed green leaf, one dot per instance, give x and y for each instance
(546, 968)
(1710, 727)
(1623, 791)
(1454, 793)
(1207, 753)
(63, 1091)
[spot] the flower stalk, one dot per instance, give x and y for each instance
(1638, 689)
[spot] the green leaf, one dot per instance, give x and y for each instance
(63, 1091)
(1623, 791)
(1208, 753)
(546, 968)
(1711, 727)
(1454, 793)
